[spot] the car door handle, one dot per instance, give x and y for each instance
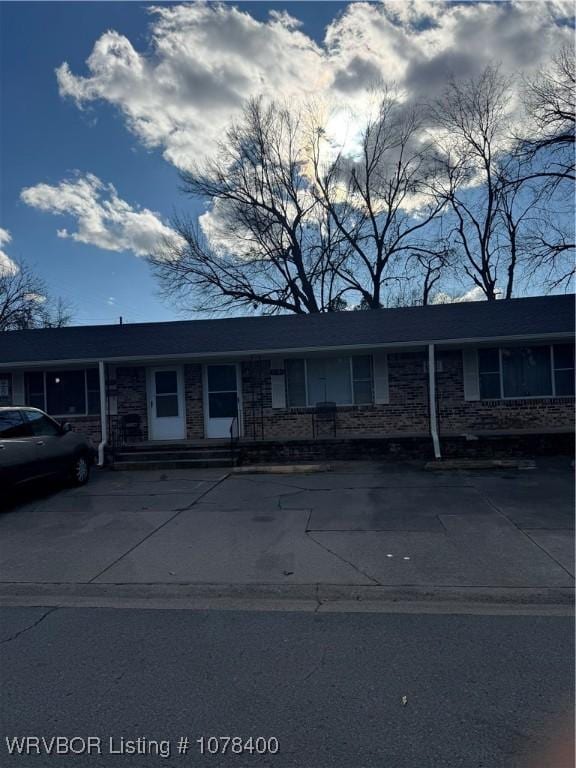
(40, 442)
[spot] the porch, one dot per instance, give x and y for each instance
(411, 448)
(320, 406)
(181, 454)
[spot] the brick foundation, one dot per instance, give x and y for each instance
(403, 448)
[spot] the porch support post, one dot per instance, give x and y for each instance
(432, 396)
(103, 421)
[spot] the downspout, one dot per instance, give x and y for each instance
(432, 396)
(103, 421)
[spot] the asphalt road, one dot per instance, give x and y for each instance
(480, 691)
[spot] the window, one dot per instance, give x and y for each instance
(64, 393)
(329, 380)
(340, 380)
(5, 389)
(296, 382)
(13, 425)
(222, 391)
(223, 405)
(42, 426)
(221, 378)
(489, 373)
(517, 372)
(526, 372)
(93, 390)
(564, 369)
(362, 379)
(166, 385)
(35, 392)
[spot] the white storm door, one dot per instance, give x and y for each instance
(166, 410)
(221, 398)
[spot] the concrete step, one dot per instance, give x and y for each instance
(161, 464)
(175, 445)
(174, 455)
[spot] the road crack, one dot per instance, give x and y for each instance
(343, 559)
(318, 667)
(32, 626)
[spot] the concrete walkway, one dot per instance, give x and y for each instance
(359, 526)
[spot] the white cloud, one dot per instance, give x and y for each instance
(7, 266)
(38, 298)
(205, 60)
(102, 218)
(474, 294)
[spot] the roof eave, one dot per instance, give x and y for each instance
(277, 352)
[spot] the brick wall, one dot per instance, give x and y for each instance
(88, 425)
(131, 395)
(131, 399)
(406, 413)
(193, 401)
(256, 398)
(457, 416)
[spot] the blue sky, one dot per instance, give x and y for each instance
(46, 137)
(98, 126)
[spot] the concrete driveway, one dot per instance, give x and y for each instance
(362, 525)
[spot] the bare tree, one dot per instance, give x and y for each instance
(545, 156)
(266, 244)
(472, 124)
(296, 223)
(523, 215)
(56, 313)
(25, 303)
(550, 244)
(546, 145)
(431, 267)
(379, 199)
(291, 228)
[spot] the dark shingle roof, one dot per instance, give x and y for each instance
(542, 315)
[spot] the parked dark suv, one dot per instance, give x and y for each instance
(34, 445)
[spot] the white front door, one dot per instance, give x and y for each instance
(221, 398)
(166, 409)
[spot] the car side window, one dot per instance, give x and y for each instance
(42, 426)
(13, 425)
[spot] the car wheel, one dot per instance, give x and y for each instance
(80, 471)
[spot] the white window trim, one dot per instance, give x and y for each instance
(525, 397)
(351, 404)
(66, 415)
